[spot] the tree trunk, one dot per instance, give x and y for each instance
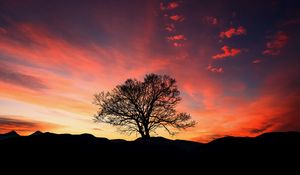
(147, 134)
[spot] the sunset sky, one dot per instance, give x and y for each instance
(237, 63)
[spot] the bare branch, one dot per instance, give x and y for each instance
(142, 107)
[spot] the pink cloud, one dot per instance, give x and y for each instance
(233, 31)
(276, 43)
(176, 38)
(215, 69)
(228, 52)
(170, 27)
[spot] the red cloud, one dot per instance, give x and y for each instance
(210, 20)
(169, 6)
(228, 52)
(64, 67)
(176, 38)
(233, 31)
(215, 69)
(172, 5)
(277, 42)
(177, 18)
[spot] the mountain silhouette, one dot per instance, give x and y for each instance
(11, 134)
(85, 150)
(36, 133)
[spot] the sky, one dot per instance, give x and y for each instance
(236, 62)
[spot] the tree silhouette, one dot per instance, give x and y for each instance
(143, 107)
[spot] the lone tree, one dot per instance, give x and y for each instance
(143, 107)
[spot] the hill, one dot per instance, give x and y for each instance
(85, 149)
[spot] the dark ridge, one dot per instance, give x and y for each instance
(9, 135)
(36, 133)
(85, 150)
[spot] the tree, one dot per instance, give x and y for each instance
(143, 107)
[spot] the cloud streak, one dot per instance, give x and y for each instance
(8, 75)
(276, 43)
(232, 32)
(227, 52)
(23, 126)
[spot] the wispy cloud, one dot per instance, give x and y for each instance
(22, 125)
(11, 76)
(278, 41)
(227, 52)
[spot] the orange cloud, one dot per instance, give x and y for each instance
(23, 126)
(177, 18)
(276, 43)
(62, 70)
(275, 109)
(233, 31)
(228, 52)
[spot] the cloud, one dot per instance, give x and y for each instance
(8, 75)
(176, 38)
(261, 129)
(210, 20)
(168, 6)
(97, 129)
(215, 69)
(278, 41)
(290, 22)
(22, 125)
(3, 30)
(170, 27)
(228, 52)
(177, 18)
(233, 31)
(176, 44)
(256, 61)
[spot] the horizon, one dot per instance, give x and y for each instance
(172, 139)
(236, 63)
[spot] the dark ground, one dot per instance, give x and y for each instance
(268, 152)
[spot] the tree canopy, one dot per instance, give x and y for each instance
(143, 106)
